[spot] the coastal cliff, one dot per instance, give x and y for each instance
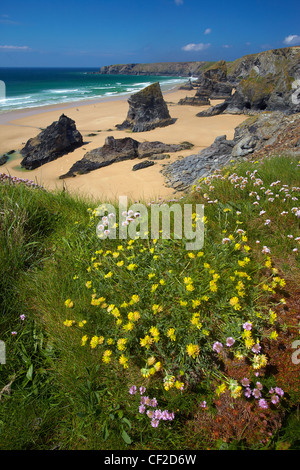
(181, 69)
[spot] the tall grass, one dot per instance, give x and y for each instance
(85, 320)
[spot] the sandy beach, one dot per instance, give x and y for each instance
(100, 118)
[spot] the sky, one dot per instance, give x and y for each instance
(93, 33)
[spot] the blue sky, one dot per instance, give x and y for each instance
(65, 33)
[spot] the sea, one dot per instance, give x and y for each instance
(23, 88)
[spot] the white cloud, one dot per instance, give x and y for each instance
(292, 40)
(207, 31)
(179, 2)
(196, 47)
(226, 46)
(14, 48)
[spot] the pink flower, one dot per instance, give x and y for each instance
(142, 390)
(247, 326)
(217, 346)
(256, 393)
(230, 341)
(275, 399)
(154, 423)
(245, 382)
(132, 390)
(262, 403)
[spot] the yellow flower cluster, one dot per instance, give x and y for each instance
(193, 350)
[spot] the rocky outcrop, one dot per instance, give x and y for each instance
(212, 84)
(58, 139)
(117, 150)
(147, 110)
(263, 134)
(264, 82)
(114, 150)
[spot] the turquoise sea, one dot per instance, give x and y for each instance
(34, 87)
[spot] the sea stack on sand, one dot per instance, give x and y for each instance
(58, 139)
(147, 110)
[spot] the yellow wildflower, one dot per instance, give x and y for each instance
(151, 361)
(274, 335)
(129, 326)
(156, 308)
(221, 389)
(108, 275)
(146, 342)
(171, 334)
(84, 340)
(69, 322)
(106, 356)
(94, 342)
(193, 350)
(155, 333)
(123, 361)
(131, 266)
(69, 303)
(121, 344)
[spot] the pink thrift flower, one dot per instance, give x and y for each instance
(132, 390)
(217, 346)
(230, 341)
(262, 403)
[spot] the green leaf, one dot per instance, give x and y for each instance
(30, 372)
(125, 420)
(125, 437)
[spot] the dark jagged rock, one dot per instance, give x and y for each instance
(212, 84)
(144, 164)
(265, 133)
(3, 159)
(213, 110)
(58, 139)
(146, 149)
(200, 99)
(147, 110)
(116, 150)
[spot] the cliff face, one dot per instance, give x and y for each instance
(182, 69)
(267, 81)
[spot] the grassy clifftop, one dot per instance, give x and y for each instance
(209, 334)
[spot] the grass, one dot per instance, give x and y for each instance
(85, 320)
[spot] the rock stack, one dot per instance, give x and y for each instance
(147, 110)
(58, 139)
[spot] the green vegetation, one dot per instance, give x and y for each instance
(207, 334)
